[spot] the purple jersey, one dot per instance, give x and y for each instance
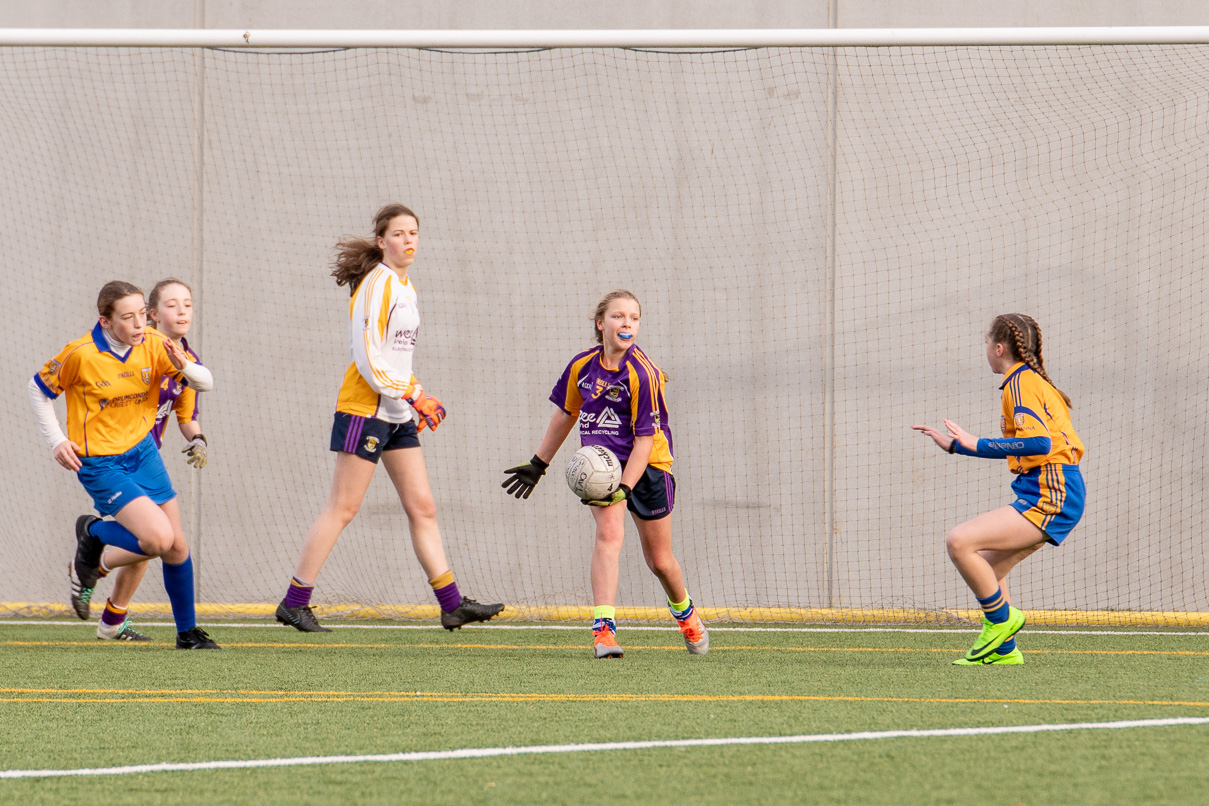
(616, 405)
(178, 396)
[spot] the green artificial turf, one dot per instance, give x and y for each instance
(71, 702)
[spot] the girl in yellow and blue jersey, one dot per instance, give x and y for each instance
(380, 410)
(1043, 451)
(614, 392)
(170, 312)
(111, 378)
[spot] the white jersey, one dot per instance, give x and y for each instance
(384, 320)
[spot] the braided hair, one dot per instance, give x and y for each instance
(1022, 336)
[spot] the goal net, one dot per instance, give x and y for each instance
(819, 238)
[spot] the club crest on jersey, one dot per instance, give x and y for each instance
(614, 393)
(53, 367)
(1003, 425)
(371, 444)
(1018, 421)
(146, 375)
(365, 323)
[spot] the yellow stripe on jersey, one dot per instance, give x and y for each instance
(661, 451)
(111, 401)
(575, 398)
(380, 371)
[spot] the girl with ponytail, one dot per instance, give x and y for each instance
(1043, 451)
(380, 410)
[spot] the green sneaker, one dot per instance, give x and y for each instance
(993, 635)
(1013, 658)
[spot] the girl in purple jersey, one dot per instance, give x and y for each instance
(615, 393)
(170, 311)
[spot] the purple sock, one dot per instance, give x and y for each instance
(299, 593)
(448, 597)
(112, 617)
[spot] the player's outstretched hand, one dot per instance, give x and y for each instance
(623, 493)
(967, 440)
(524, 477)
(942, 439)
(195, 451)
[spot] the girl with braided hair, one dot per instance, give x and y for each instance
(1043, 451)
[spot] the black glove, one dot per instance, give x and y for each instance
(622, 493)
(524, 477)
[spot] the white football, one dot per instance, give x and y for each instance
(593, 472)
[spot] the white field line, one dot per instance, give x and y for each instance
(336, 626)
(487, 752)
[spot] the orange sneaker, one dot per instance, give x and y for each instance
(696, 637)
(604, 644)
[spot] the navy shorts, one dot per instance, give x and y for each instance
(1051, 498)
(115, 481)
(654, 496)
(368, 437)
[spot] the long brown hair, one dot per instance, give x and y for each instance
(357, 257)
(153, 301)
(1022, 336)
(111, 292)
(603, 306)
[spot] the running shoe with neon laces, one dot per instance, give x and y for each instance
(696, 637)
(994, 635)
(1013, 658)
(85, 568)
(604, 643)
(119, 632)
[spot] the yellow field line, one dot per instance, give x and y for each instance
(864, 615)
(404, 696)
(576, 647)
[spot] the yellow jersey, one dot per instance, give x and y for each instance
(1033, 408)
(111, 400)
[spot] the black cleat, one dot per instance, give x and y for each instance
(195, 638)
(85, 568)
(467, 612)
(301, 618)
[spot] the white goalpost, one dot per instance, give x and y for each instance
(820, 225)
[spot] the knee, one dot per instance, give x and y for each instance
(610, 538)
(422, 508)
(341, 513)
(157, 541)
(957, 541)
(661, 563)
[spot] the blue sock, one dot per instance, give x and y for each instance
(1007, 647)
(995, 607)
(112, 533)
(178, 582)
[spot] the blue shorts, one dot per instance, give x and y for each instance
(368, 437)
(1051, 498)
(115, 481)
(654, 496)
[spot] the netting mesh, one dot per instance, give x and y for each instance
(819, 239)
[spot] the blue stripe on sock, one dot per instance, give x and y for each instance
(112, 533)
(178, 582)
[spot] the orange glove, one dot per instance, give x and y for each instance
(430, 409)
